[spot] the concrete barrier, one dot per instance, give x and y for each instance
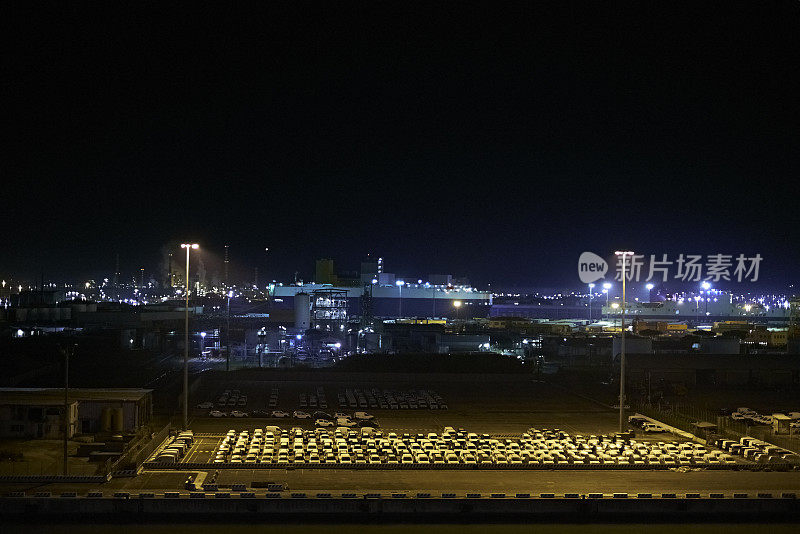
(430, 508)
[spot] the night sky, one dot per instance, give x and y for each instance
(495, 143)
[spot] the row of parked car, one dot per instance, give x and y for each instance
(320, 418)
(645, 424)
(228, 399)
(541, 447)
(754, 418)
(176, 448)
(314, 400)
(390, 399)
(757, 450)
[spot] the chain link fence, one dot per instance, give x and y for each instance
(683, 416)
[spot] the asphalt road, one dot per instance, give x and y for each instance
(461, 482)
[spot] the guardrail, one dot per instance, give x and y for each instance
(53, 479)
(374, 495)
(194, 466)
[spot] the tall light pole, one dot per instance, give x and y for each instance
(622, 421)
(188, 247)
(706, 286)
(591, 294)
(228, 335)
(607, 291)
(457, 306)
(66, 351)
(400, 285)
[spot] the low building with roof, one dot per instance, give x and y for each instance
(38, 412)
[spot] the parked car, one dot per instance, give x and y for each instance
(237, 413)
(345, 422)
(217, 413)
(299, 414)
(205, 405)
(364, 416)
(280, 413)
(323, 423)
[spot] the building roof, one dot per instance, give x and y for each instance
(56, 395)
(744, 362)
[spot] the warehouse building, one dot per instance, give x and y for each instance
(37, 412)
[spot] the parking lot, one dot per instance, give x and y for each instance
(535, 448)
(487, 405)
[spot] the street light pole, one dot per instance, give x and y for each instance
(188, 247)
(622, 421)
(66, 352)
(591, 292)
(228, 336)
(400, 284)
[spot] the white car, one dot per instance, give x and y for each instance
(299, 414)
(217, 413)
(237, 413)
(280, 413)
(364, 416)
(205, 405)
(341, 415)
(345, 422)
(323, 422)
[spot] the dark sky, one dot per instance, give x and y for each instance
(488, 141)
